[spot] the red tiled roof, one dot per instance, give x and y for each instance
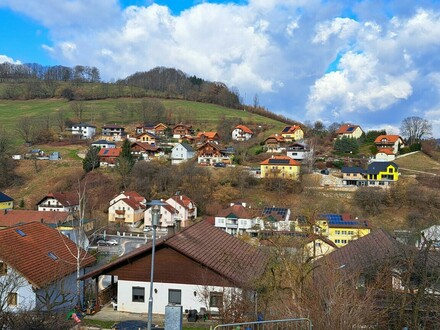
(291, 129)
(134, 195)
(280, 160)
(386, 151)
(132, 203)
(388, 138)
(344, 129)
(182, 200)
(109, 152)
(15, 217)
(29, 254)
(208, 135)
(277, 137)
(238, 210)
(230, 257)
(244, 128)
(64, 198)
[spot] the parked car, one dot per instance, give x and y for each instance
(220, 164)
(111, 242)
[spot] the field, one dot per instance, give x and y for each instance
(416, 163)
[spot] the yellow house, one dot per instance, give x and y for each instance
(351, 131)
(292, 133)
(6, 202)
(147, 138)
(342, 229)
(280, 166)
(383, 171)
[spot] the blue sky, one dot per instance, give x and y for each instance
(368, 62)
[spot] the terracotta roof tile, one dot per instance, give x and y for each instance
(388, 138)
(280, 160)
(28, 254)
(109, 152)
(244, 128)
(15, 217)
(347, 129)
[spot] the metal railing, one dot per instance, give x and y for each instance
(286, 324)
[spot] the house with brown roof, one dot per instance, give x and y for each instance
(145, 151)
(275, 143)
(210, 153)
(292, 133)
(38, 266)
(279, 166)
(350, 131)
(147, 137)
(181, 130)
(242, 133)
(127, 208)
(195, 268)
(169, 217)
(238, 219)
(59, 202)
(109, 156)
(156, 129)
(391, 142)
(385, 155)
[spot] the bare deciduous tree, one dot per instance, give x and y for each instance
(415, 129)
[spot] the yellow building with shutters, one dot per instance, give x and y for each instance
(6, 202)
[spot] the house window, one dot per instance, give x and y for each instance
(3, 268)
(337, 241)
(390, 170)
(12, 299)
(138, 294)
(215, 299)
(337, 232)
(174, 296)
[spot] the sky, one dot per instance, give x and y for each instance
(371, 62)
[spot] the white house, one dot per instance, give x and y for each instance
(38, 268)
(431, 236)
(242, 133)
(103, 144)
(83, 130)
(237, 219)
(128, 207)
(276, 218)
(385, 155)
(298, 151)
(186, 208)
(169, 217)
(60, 202)
(196, 268)
(182, 152)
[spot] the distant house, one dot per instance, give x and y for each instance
(385, 155)
(83, 131)
(156, 129)
(430, 236)
(203, 137)
(195, 268)
(55, 156)
(351, 131)
(187, 209)
(210, 153)
(147, 137)
(113, 133)
(275, 144)
(292, 133)
(298, 151)
(39, 267)
(182, 152)
(127, 208)
(343, 228)
(109, 156)
(6, 202)
(276, 218)
(59, 202)
(378, 173)
(169, 217)
(242, 133)
(391, 142)
(101, 144)
(145, 151)
(181, 130)
(280, 167)
(237, 219)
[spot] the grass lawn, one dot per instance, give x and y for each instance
(418, 162)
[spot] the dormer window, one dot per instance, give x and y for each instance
(52, 255)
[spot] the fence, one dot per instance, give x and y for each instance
(286, 324)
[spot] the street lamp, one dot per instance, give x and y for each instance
(155, 218)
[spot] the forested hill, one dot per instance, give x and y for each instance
(34, 81)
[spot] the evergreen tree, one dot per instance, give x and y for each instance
(346, 145)
(91, 161)
(125, 162)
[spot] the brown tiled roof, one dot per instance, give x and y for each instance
(230, 257)
(291, 129)
(245, 129)
(169, 208)
(64, 198)
(238, 210)
(15, 217)
(367, 251)
(135, 205)
(29, 254)
(388, 138)
(145, 146)
(182, 200)
(278, 138)
(134, 195)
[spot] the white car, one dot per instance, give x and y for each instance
(111, 242)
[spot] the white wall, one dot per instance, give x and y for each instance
(160, 299)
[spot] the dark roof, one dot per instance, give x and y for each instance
(27, 249)
(277, 213)
(376, 167)
(187, 146)
(5, 198)
(103, 142)
(352, 169)
(230, 257)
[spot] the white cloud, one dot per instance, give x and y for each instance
(7, 59)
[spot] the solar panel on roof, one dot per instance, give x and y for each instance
(286, 129)
(106, 152)
(350, 129)
(279, 161)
